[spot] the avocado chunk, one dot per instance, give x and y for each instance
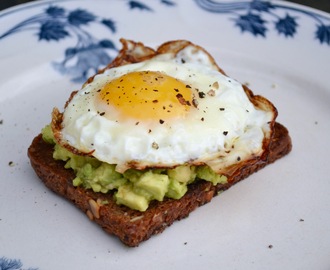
(176, 189)
(183, 174)
(126, 196)
(155, 184)
(100, 179)
(206, 173)
(47, 134)
(73, 161)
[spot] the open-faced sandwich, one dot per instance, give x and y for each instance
(154, 135)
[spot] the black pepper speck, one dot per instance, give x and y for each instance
(201, 94)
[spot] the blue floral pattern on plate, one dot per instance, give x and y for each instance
(253, 17)
(12, 264)
(89, 54)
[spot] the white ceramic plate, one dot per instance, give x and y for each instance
(276, 219)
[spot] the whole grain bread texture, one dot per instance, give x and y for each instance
(131, 226)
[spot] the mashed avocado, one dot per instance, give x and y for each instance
(133, 188)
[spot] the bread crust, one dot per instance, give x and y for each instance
(130, 226)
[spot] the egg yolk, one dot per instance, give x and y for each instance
(147, 95)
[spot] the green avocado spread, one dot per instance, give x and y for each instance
(134, 188)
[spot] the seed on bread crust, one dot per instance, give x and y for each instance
(90, 215)
(94, 208)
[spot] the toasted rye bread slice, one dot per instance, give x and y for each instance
(131, 226)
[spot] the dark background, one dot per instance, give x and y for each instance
(318, 4)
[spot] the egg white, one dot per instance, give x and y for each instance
(225, 126)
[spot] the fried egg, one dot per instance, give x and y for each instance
(171, 109)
